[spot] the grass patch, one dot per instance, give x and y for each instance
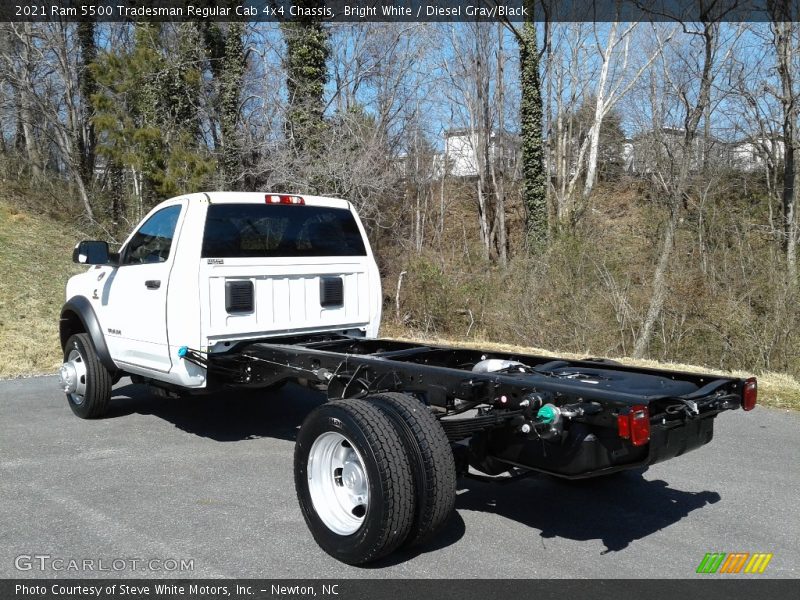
(777, 390)
(35, 262)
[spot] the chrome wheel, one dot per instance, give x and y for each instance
(72, 376)
(338, 483)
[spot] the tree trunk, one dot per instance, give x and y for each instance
(230, 88)
(26, 112)
(65, 144)
(88, 87)
(551, 198)
(500, 146)
(599, 112)
(483, 221)
(19, 129)
(483, 135)
(307, 51)
(783, 33)
(116, 191)
(791, 191)
(660, 286)
(534, 195)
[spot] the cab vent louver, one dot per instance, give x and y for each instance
(331, 292)
(239, 296)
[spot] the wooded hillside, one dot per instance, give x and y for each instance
(607, 188)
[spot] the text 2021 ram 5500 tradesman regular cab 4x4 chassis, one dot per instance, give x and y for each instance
(245, 290)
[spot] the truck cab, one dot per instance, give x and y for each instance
(209, 270)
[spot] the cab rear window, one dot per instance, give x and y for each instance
(270, 230)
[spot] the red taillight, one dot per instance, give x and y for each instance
(283, 199)
(640, 425)
(624, 426)
(749, 394)
(635, 426)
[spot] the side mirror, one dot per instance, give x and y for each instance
(89, 252)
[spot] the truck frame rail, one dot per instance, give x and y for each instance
(571, 418)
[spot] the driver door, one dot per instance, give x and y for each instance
(134, 301)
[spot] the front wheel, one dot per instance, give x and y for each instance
(84, 379)
(353, 480)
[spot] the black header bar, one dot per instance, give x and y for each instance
(355, 11)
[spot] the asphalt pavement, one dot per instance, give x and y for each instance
(208, 482)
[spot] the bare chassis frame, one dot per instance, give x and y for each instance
(489, 408)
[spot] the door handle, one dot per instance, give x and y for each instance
(152, 284)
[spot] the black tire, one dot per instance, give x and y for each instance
(390, 511)
(93, 403)
(432, 462)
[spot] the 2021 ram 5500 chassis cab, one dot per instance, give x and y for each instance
(236, 290)
(209, 270)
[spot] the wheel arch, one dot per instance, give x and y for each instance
(78, 316)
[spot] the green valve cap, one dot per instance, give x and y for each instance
(546, 414)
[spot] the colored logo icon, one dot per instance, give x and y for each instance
(734, 562)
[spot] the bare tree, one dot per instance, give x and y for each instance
(785, 37)
(693, 96)
(568, 82)
(759, 119)
(601, 70)
(613, 83)
(45, 74)
(19, 65)
(476, 90)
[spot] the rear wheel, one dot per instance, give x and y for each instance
(353, 481)
(432, 462)
(86, 382)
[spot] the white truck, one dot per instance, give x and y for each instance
(250, 290)
(208, 270)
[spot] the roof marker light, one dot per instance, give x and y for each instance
(283, 199)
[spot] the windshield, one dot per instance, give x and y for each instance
(270, 230)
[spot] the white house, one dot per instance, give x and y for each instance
(753, 153)
(461, 155)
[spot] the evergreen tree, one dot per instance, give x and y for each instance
(146, 113)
